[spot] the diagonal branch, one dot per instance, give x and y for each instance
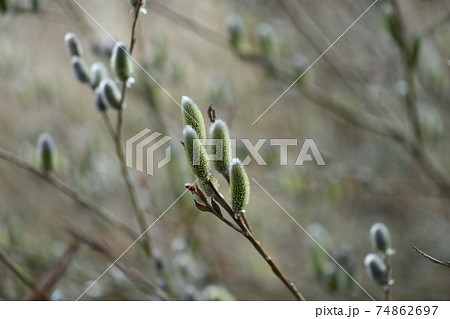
(16, 269)
(133, 274)
(55, 273)
(247, 233)
(432, 259)
(59, 184)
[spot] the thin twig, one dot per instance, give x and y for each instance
(119, 150)
(256, 244)
(387, 288)
(55, 273)
(52, 179)
(433, 259)
(109, 125)
(134, 275)
(16, 269)
(411, 96)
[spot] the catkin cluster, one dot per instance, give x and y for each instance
(107, 94)
(377, 263)
(194, 135)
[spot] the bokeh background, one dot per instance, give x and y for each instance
(369, 177)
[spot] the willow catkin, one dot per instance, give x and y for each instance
(239, 186)
(98, 73)
(196, 154)
(73, 44)
(46, 152)
(193, 117)
(376, 269)
(221, 146)
(380, 237)
(121, 62)
(266, 38)
(80, 69)
(235, 30)
(110, 94)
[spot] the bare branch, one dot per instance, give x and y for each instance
(55, 273)
(432, 259)
(52, 179)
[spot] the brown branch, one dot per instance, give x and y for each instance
(210, 207)
(237, 218)
(411, 96)
(432, 259)
(54, 274)
(387, 287)
(17, 270)
(119, 150)
(134, 275)
(133, 28)
(59, 184)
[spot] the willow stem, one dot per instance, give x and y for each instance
(387, 289)
(117, 137)
(237, 217)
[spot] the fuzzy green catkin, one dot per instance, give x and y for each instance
(121, 62)
(235, 31)
(73, 44)
(5, 5)
(98, 73)
(196, 154)
(81, 70)
(134, 3)
(193, 117)
(376, 269)
(394, 28)
(318, 257)
(239, 186)
(46, 152)
(266, 37)
(220, 132)
(331, 277)
(111, 95)
(380, 237)
(35, 5)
